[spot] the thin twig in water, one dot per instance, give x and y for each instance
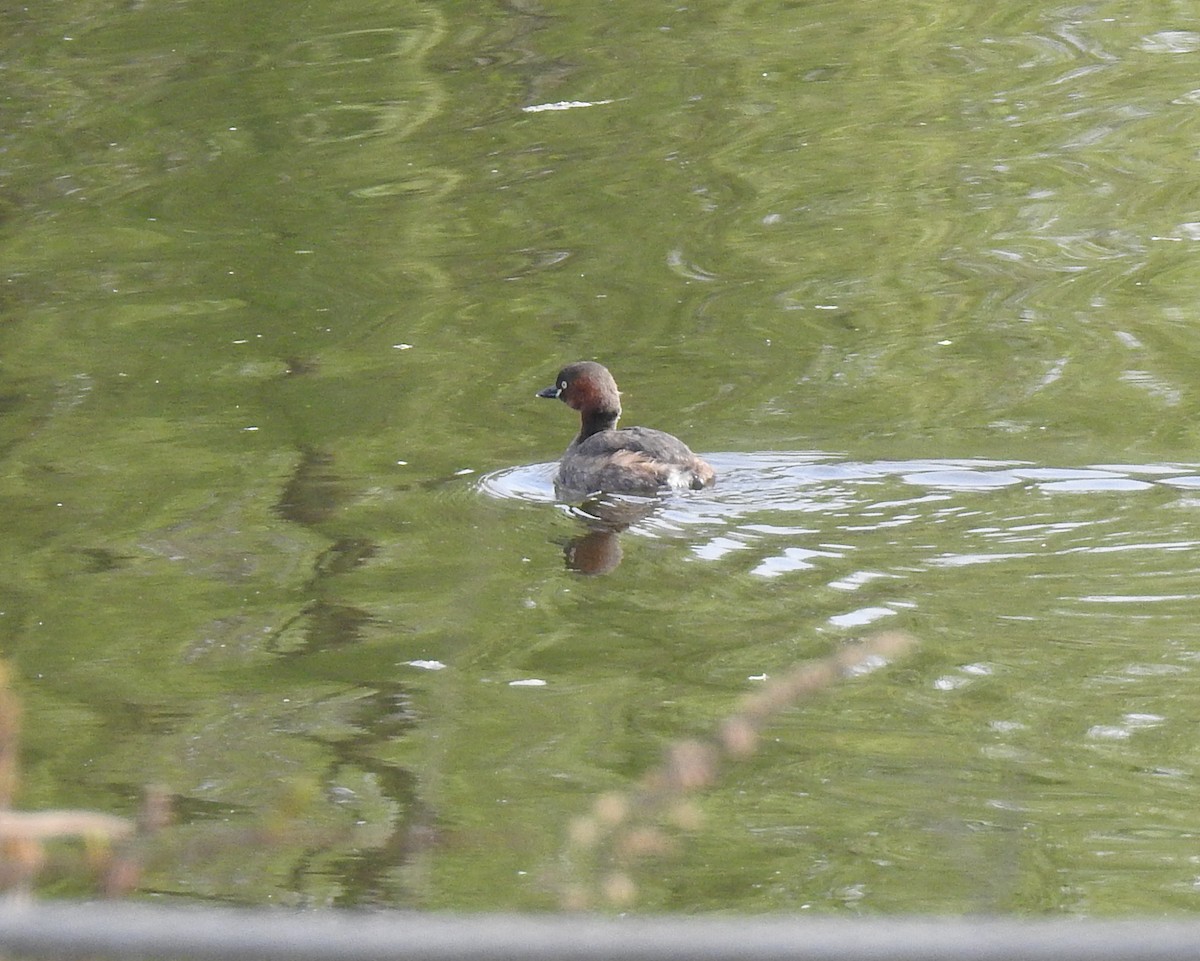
(113, 843)
(623, 826)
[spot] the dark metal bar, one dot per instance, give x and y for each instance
(130, 931)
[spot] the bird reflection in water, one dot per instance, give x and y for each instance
(598, 550)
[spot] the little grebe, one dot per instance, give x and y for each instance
(632, 460)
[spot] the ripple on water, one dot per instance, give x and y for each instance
(1097, 485)
(963, 479)
(357, 46)
(789, 514)
(529, 483)
(761, 483)
(1172, 41)
(1186, 481)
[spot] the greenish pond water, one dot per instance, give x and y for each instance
(278, 284)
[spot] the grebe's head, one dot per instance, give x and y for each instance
(587, 387)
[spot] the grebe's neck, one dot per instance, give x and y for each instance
(594, 421)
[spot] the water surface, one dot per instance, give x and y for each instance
(279, 284)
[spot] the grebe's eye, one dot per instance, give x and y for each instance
(562, 385)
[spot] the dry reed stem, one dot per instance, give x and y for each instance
(113, 845)
(45, 825)
(617, 830)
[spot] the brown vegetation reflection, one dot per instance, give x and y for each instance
(113, 846)
(626, 827)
